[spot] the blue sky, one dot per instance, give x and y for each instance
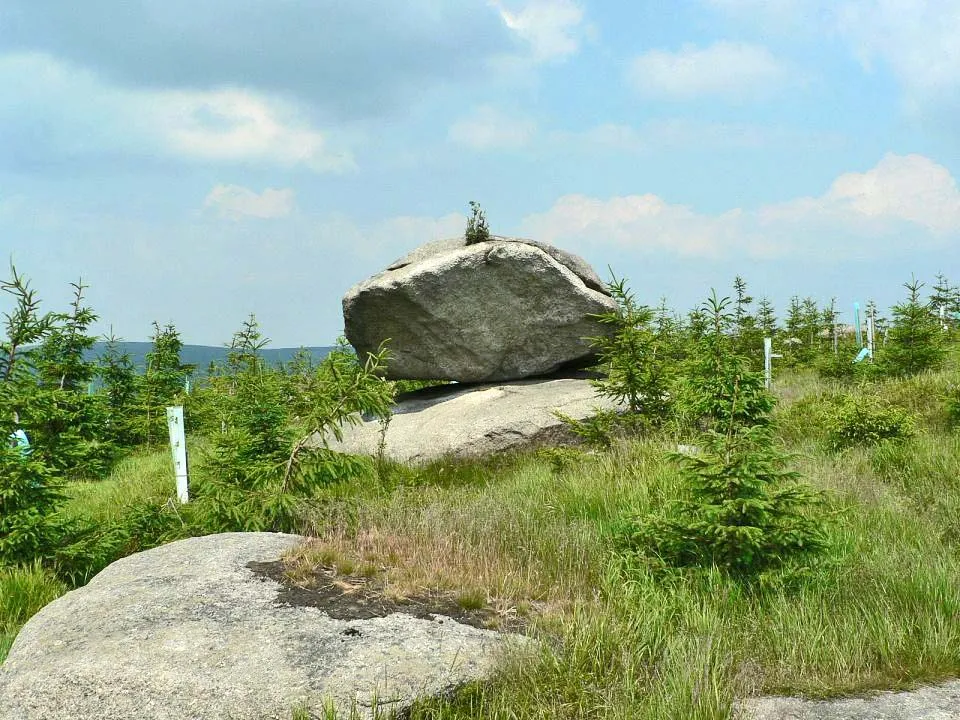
(195, 162)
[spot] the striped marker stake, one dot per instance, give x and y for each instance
(178, 446)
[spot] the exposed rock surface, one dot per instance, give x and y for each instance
(939, 702)
(188, 631)
(505, 309)
(477, 420)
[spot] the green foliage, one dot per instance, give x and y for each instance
(271, 454)
(23, 326)
(59, 361)
(717, 389)
(68, 430)
(803, 338)
(745, 511)
(634, 358)
(840, 365)
(560, 459)
(637, 357)
(866, 420)
(29, 491)
(767, 319)
(915, 340)
(47, 382)
(162, 384)
(477, 229)
(747, 331)
(952, 401)
(23, 591)
(29, 498)
(946, 295)
(120, 389)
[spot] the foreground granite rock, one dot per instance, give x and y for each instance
(505, 309)
(477, 420)
(188, 631)
(938, 702)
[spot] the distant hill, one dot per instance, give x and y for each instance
(202, 355)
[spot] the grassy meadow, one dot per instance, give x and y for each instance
(529, 536)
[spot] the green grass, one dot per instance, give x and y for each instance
(23, 591)
(530, 538)
(145, 476)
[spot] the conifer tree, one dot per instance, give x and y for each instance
(30, 493)
(120, 387)
(947, 296)
(747, 334)
(766, 318)
(916, 341)
(162, 383)
(746, 512)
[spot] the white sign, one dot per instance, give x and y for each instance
(768, 356)
(178, 445)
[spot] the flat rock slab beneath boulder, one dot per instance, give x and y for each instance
(477, 420)
(938, 702)
(188, 631)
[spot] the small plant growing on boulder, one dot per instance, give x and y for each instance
(477, 228)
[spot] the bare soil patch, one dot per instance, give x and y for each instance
(356, 597)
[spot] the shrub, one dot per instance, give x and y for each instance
(717, 388)
(866, 420)
(633, 356)
(477, 229)
(745, 511)
(266, 461)
(29, 497)
(916, 340)
(807, 417)
(637, 358)
(840, 365)
(161, 385)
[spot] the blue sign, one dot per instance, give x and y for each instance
(19, 439)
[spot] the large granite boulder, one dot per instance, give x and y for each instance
(190, 630)
(477, 420)
(504, 309)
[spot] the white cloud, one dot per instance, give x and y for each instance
(78, 115)
(488, 129)
(903, 203)
(916, 39)
(901, 188)
(725, 69)
(235, 202)
(645, 222)
(236, 125)
(552, 28)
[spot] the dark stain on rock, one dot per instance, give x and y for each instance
(352, 597)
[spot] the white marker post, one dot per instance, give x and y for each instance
(768, 356)
(870, 322)
(178, 445)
